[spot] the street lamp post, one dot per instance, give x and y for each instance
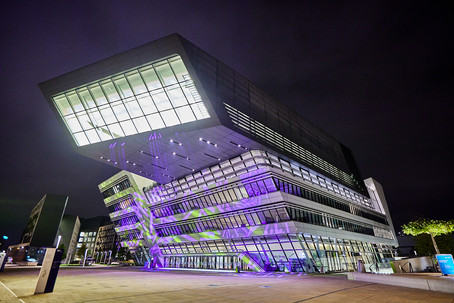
(58, 241)
(85, 257)
(69, 257)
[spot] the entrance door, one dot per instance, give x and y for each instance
(333, 261)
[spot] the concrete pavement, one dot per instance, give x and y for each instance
(123, 284)
(427, 281)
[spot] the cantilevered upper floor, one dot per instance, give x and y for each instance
(168, 108)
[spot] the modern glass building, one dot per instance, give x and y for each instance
(120, 194)
(239, 179)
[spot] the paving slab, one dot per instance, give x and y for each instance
(131, 284)
(428, 281)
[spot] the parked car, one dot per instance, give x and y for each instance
(127, 263)
(88, 261)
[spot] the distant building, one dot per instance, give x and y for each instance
(89, 232)
(44, 221)
(41, 229)
(239, 179)
(106, 243)
(67, 236)
(99, 237)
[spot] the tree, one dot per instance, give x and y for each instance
(81, 251)
(424, 246)
(62, 246)
(429, 226)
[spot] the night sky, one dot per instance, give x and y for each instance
(377, 75)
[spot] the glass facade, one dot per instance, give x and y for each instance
(157, 95)
(246, 162)
(228, 198)
(297, 253)
(89, 238)
(121, 212)
(257, 187)
(122, 204)
(204, 261)
(227, 224)
(105, 240)
(261, 216)
(116, 188)
(282, 143)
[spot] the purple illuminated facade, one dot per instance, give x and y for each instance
(228, 176)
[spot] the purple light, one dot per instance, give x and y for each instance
(154, 136)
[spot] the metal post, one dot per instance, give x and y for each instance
(58, 241)
(85, 257)
(68, 259)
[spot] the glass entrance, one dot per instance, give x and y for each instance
(334, 263)
(222, 262)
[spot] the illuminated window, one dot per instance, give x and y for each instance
(155, 96)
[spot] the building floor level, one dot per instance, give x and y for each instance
(295, 253)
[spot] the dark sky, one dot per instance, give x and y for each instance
(377, 75)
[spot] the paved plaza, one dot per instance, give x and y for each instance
(130, 284)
